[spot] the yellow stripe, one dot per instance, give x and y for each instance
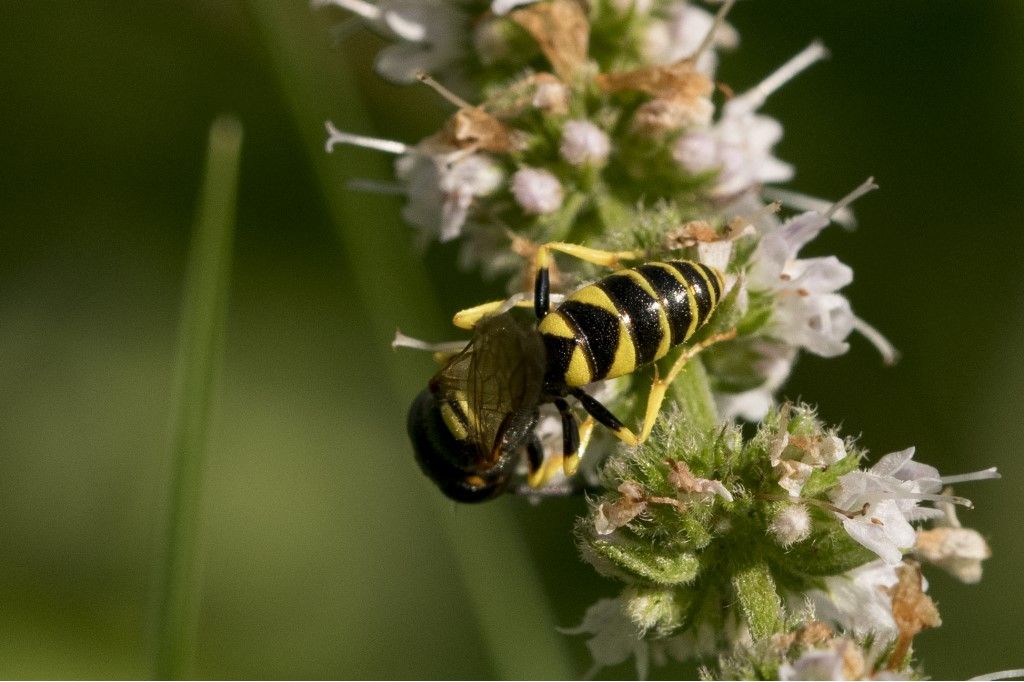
(690, 298)
(578, 373)
(556, 325)
(625, 355)
(666, 331)
(595, 296)
(707, 285)
(624, 361)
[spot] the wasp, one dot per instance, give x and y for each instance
(471, 425)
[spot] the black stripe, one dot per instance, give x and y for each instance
(600, 331)
(713, 278)
(558, 351)
(673, 299)
(640, 312)
(698, 286)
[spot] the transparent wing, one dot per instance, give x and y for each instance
(498, 374)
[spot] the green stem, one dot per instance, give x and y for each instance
(509, 603)
(200, 343)
(692, 392)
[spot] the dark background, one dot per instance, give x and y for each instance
(325, 552)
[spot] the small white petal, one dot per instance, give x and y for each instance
(502, 7)
(537, 191)
(753, 99)
(584, 143)
(816, 664)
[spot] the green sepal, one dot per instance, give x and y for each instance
(658, 610)
(758, 599)
(825, 479)
(654, 567)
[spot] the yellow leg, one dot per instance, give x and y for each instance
(467, 319)
(544, 473)
(660, 386)
(572, 463)
(609, 259)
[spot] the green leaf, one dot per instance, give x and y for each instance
(200, 343)
(758, 599)
(647, 564)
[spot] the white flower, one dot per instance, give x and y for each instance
(791, 525)
(614, 637)
(882, 504)
(859, 600)
(584, 143)
(794, 458)
(816, 664)
(809, 313)
(431, 35)
(537, 190)
(740, 144)
(681, 32)
(470, 177)
(952, 547)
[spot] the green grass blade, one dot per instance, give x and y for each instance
(516, 622)
(200, 344)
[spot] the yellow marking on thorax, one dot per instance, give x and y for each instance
(452, 421)
(666, 331)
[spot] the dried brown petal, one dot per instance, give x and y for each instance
(813, 633)
(912, 609)
(671, 81)
(562, 32)
(472, 127)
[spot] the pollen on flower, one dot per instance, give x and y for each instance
(584, 143)
(537, 190)
(791, 525)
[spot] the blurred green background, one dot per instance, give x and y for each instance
(324, 552)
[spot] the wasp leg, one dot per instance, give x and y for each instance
(659, 386)
(609, 259)
(604, 416)
(586, 431)
(468, 318)
(534, 461)
(570, 438)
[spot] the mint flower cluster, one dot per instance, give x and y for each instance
(782, 554)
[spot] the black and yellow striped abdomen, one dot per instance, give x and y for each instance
(628, 319)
